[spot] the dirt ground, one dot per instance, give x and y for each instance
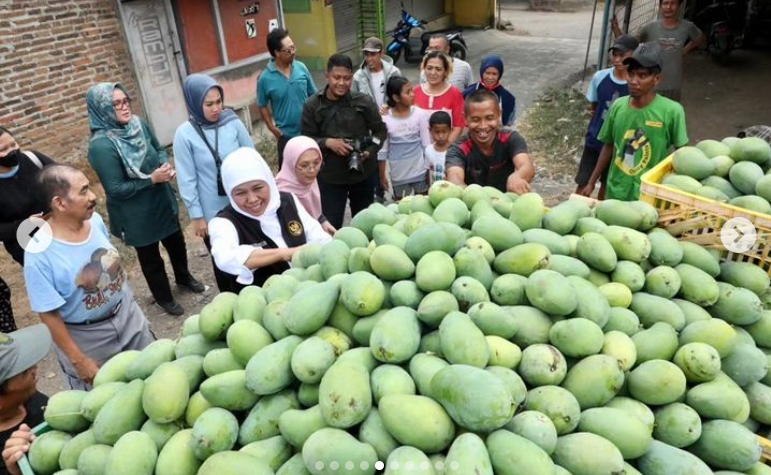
(721, 101)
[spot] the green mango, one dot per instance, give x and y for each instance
(474, 398)
(677, 425)
(728, 445)
(628, 433)
(512, 454)
(262, 421)
(663, 459)
(535, 427)
(135, 453)
(594, 380)
(345, 395)
(216, 430)
(417, 421)
(558, 404)
(657, 382)
(269, 370)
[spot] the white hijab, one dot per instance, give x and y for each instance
(245, 165)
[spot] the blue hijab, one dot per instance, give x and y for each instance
(195, 89)
(506, 99)
(129, 139)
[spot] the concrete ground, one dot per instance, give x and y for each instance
(545, 49)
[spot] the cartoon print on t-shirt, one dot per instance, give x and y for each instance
(102, 277)
(636, 144)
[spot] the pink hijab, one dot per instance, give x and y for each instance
(288, 181)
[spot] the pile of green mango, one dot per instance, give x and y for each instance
(465, 332)
(734, 171)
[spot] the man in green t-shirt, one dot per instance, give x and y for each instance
(639, 130)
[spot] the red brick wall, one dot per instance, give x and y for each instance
(51, 52)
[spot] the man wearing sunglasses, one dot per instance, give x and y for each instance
(282, 89)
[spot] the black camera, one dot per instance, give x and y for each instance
(355, 157)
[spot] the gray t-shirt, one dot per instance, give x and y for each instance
(672, 42)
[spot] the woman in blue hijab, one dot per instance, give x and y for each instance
(200, 145)
(136, 174)
(490, 74)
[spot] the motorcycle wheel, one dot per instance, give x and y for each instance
(457, 50)
(720, 49)
(394, 55)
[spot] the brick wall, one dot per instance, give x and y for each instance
(51, 52)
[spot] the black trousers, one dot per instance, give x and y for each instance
(7, 322)
(334, 197)
(225, 282)
(280, 146)
(153, 268)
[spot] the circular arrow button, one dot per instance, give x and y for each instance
(738, 235)
(34, 235)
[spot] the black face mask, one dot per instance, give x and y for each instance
(10, 160)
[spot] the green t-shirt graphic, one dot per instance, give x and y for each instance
(641, 139)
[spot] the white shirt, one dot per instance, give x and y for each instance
(436, 161)
(462, 76)
(230, 256)
(377, 82)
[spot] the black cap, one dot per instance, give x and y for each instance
(625, 43)
(647, 55)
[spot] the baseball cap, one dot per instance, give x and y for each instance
(625, 43)
(22, 349)
(373, 44)
(646, 55)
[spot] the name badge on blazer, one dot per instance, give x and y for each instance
(260, 244)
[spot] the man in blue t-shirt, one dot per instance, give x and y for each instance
(607, 85)
(282, 89)
(78, 285)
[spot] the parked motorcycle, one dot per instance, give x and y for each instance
(724, 23)
(414, 47)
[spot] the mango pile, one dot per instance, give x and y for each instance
(466, 332)
(734, 171)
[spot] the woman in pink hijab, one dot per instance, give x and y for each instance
(302, 163)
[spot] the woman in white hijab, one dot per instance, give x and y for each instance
(257, 234)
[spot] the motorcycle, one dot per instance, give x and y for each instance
(414, 47)
(724, 22)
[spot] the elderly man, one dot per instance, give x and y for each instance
(462, 76)
(21, 404)
(489, 155)
(78, 285)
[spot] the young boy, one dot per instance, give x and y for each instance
(440, 125)
(607, 85)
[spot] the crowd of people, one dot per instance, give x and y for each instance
(367, 133)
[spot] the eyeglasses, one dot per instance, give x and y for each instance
(310, 167)
(290, 50)
(125, 102)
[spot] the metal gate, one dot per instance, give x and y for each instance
(346, 23)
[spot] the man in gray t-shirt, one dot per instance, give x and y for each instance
(676, 38)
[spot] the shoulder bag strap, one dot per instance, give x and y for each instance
(34, 159)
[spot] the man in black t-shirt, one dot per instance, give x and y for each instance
(21, 405)
(489, 155)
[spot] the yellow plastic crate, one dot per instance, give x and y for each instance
(765, 445)
(697, 219)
